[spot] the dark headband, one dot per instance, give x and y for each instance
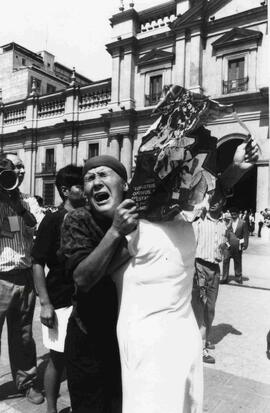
(106, 160)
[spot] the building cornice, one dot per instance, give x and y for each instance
(237, 36)
(50, 76)
(124, 115)
(130, 43)
(23, 50)
(78, 75)
(156, 39)
(194, 17)
(155, 56)
(244, 97)
(197, 14)
(155, 12)
(257, 14)
(144, 16)
(123, 16)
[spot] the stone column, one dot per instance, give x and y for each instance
(180, 61)
(126, 154)
(252, 70)
(25, 187)
(195, 82)
(263, 196)
(115, 146)
(115, 78)
(34, 146)
(67, 154)
(71, 103)
(74, 156)
(33, 173)
(127, 80)
(217, 85)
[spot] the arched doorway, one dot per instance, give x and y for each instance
(245, 191)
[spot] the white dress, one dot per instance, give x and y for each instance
(160, 343)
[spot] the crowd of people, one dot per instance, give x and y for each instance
(255, 220)
(121, 308)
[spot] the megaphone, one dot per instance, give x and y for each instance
(8, 180)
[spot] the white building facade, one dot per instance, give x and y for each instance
(217, 48)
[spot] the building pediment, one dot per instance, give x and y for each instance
(237, 36)
(198, 12)
(155, 56)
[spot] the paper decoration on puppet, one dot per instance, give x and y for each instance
(176, 162)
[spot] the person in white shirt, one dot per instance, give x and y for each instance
(17, 295)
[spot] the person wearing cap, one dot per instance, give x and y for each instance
(19, 214)
(159, 340)
(91, 235)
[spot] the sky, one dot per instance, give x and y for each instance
(75, 31)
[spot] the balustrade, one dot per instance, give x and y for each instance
(90, 97)
(153, 24)
(48, 167)
(51, 108)
(14, 115)
(94, 99)
(153, 99)
(235, 85)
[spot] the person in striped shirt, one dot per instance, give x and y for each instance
(210, 232)
(210, 235)
(17, 295)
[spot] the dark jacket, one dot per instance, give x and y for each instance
(241, 232)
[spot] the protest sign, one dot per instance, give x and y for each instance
(176, 162)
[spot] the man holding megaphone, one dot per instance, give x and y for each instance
(8, 180)
(17, 295)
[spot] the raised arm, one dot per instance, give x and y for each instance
(14, 200)
(92, 267)
(246, 155)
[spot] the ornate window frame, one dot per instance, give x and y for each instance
(238, 43)
(154, 63)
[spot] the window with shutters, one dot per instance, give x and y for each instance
(48, 193)
(155, 90)
(237, 81)
(49, 166)
(93, 150)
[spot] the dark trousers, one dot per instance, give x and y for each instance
(17, 304)
(236, 255)
(260, 225)
(205, 292)
(93, 374)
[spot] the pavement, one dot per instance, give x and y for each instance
(240, 379)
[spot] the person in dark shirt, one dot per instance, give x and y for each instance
(91, 237)
(54, 290)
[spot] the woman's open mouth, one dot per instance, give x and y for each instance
(101, 197)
